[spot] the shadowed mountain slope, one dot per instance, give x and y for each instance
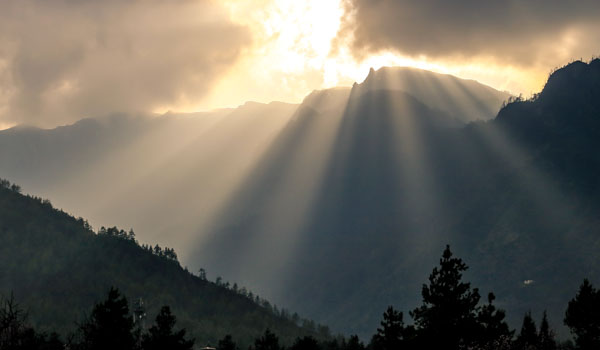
(336, 206)
(515, 196)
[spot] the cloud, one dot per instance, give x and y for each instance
(519, 32)
(61, 60)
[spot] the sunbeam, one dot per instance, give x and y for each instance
(276, 174)
(281, 188)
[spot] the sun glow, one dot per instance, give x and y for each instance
(289, 53)
(295, 49)
(4, 126)
(291, 35)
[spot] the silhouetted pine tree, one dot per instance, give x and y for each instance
(583, 317)
(448, 317)
(492, 325)
(109, 326)
(528, 337)
(306, 343)
(269, 341)
(392, 332)
(162, 335)
(546, 335)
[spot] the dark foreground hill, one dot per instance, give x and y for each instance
(58, 268)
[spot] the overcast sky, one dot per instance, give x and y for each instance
(62, 60)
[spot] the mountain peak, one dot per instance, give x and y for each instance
(572, 81)
(465, 100)
(371, 72)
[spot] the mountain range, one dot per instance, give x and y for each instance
(337, 207)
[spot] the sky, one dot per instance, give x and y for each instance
(63, 60)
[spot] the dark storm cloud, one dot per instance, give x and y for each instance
(518, 31)
(61, 60)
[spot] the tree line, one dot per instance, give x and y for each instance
(110, 325)
(450, 317)
(171, 255)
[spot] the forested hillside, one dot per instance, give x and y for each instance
(57, 268)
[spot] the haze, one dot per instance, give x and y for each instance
(319, 153)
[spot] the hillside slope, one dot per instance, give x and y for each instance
(57, 268)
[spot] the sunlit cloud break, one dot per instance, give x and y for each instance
(199, 55)
(301, 46)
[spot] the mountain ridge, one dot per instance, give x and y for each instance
(346, 179)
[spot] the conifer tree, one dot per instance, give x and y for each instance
(528, 337)
(448, 317)
(546, 335)
(583, 317)
(391, 334)
(110, 325)
(162, 335)
(492, 325)
(269, 341)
